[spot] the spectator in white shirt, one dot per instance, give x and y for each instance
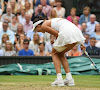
(14, 6)
(34, 44)
(13, 25)
(59, 9)
(28, 24)
(21, 18)
(5, 37)
(7, 16)
(28, 8)
(49, 44)
(7, 31)
(91, 24)
(9, 49)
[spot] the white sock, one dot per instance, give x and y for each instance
(68, 76)
(59, 76)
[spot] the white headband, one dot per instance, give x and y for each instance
(37, 23)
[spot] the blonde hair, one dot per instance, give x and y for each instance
(29, 5)
(22, 28)
(8, 42)
(23, 8)
(15, 8)
(36, 34)
(5, 35)
(55, 14)
(86, 8)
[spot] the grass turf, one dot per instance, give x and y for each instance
(35, 82)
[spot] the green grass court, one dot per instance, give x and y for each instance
(43, 82)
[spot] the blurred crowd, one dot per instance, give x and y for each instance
(16, 23)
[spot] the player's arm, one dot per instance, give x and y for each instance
(46, 27)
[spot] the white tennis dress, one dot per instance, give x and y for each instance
(68, 33)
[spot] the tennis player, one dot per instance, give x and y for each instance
(67, 36)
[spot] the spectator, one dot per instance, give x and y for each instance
(96, 33)
(49, 44)
(31, 33)
(5, 2)
(28, 8)
(13, 6)
(87, 40)
(92, 50)
(7, 16)
(46, 8)
(21, 18)
(52, 3)
(59, 9)
(17, 15)
(72, 15)
(38, 13)
(28, 24)
(76, 22)
(26, 51)
(39, 2)
(19, 43)
(91, 24)
(1, 25)
(22, 3)
(5, 37)
(7, 31)
(13, 25)
(41, 51)
(46, 37)
(75, 52)
(85, 17)
(1, 53)
(83, 28)
(53, 14)
(19, 32)
(34, 44)
(1, 8)
(9, 49)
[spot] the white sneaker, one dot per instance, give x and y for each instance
(69, 82)
(58, 83)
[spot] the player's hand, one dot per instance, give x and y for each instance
(83, 47)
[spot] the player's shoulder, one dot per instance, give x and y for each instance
(46, 23)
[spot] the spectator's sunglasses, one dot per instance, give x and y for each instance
(26, 43)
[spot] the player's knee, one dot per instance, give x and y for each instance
(54, 53)
(61, 54)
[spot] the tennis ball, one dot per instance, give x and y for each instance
(92, 66)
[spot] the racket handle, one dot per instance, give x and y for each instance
(86, 52)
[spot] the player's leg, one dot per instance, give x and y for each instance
(63, 59)
(57, 63)
(69, 80)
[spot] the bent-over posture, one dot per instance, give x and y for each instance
(67, 36)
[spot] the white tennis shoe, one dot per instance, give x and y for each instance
(69, 82)
(58, 83)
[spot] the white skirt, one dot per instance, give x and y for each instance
(68, 35)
